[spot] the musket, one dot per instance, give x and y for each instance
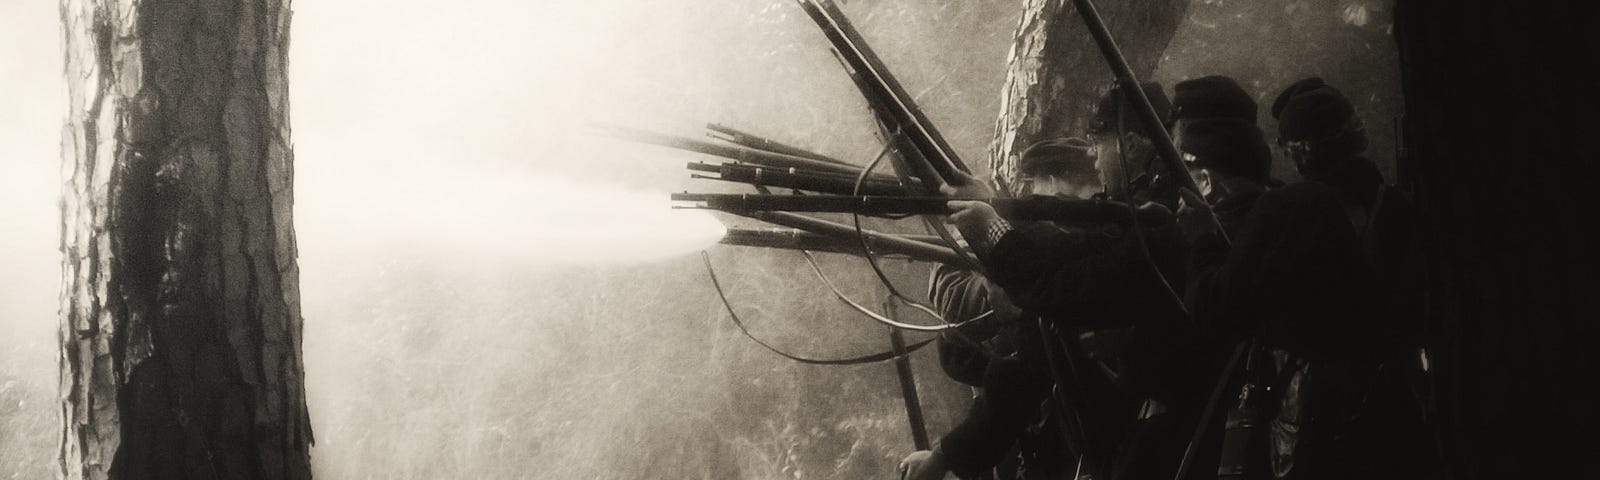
(887, 242)
(923, 152)
(1032, 208)
(795, 179)
(804, 235)
(797, 239)
(762, 143)
(883, 91)
(740, 153)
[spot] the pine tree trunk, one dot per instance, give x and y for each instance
(180, 311)
(1056, 73)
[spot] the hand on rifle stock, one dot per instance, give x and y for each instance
(967, 186)
(1195, 221)
(970, 215)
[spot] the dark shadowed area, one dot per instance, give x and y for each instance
(492, 291)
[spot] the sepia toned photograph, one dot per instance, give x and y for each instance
(797, 239)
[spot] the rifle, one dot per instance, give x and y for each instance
(795, 178)
(884, 92)
(923, 152)
(751, 140)
(1033, 208)
(797, 239)
(906, 245)
(740, 153)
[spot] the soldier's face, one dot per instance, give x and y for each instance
(1120, 162)
(1201, 176)
(1076, 185)
(1202, 179)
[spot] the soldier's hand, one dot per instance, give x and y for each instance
(971, 187)
(1194, 221)
(971, 215)
(924, 465)
(1154, 209)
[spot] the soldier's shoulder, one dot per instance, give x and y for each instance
(1298, 196)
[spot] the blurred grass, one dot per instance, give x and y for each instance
(28, 423)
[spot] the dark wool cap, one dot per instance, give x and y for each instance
(1302, 86)
(1229, 146)
(1105, 111)
(1215, 96)
(1312, 110)
(1058, 157)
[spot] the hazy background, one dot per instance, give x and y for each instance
(492, 292)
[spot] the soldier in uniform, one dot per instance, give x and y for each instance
(1088, 283)
(1003, 354)
(1302, 280)
(1214, 126)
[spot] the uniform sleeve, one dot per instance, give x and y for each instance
(1012, 388)
(959, 295)
(1014, 392)
(1064, 274)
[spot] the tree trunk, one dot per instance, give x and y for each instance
(1499, 125)
(180, 316)
(1056, 73)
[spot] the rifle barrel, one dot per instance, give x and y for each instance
(885, 242)
(882, 89)
(740, 153)
(762, 143)
(796, 239)
(798, 179)
(1033, 208)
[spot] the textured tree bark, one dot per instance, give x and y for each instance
(1055, 73)
(180, 310)
(1499, 122)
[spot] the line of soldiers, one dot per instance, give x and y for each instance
(1276, 339)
